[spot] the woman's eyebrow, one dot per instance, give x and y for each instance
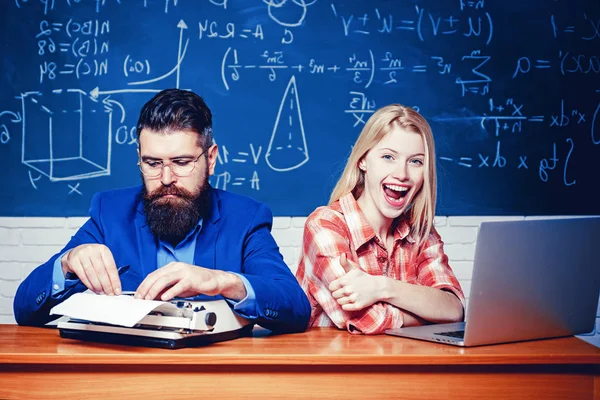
(395, 152)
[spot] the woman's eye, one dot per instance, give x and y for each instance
(387, 157)
(417, 161)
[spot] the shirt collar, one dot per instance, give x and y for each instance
(361, 231)
(403, 231)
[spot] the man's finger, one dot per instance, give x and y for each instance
(160, 285)
(144, 289)
(111, 271)
(88, 269)
(101, 273)
(146, 284)
(174, 291)
(76, 267)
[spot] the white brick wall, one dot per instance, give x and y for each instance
(27, 242)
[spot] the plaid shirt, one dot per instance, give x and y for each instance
(342, 228)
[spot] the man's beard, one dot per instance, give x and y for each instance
(171, 219)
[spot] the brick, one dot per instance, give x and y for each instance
(299, 222)
(460, 252)
(69, 233)
(10, 271)
(45, 237)
(451, 235)
(9, 288)
(30, 254)
(288, 237)
(290, 256)
(76, 222)
(476, 221)
(466, 287)
(30, 222)
(281, 222)
(462, 269)
(440, 221)
(7, 319)
(28, 268)
(9, 237)
(6, 306)
(293, 268)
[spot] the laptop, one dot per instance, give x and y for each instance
(532, 279)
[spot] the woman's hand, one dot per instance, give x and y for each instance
(356, 289)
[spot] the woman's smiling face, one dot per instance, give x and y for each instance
(394, 173)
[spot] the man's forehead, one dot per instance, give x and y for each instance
(168, 141)
(151, 133)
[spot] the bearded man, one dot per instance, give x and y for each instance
(178, 236)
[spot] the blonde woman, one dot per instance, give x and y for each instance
(372, 260)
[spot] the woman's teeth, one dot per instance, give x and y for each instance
(395, 191)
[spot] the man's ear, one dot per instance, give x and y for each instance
(213, 152)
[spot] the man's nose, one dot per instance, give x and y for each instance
(167, 176)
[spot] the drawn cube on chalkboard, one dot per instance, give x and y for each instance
(66, 135)
(287, 148)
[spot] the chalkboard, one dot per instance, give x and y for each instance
(511, 90)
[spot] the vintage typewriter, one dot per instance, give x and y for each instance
(173, 324)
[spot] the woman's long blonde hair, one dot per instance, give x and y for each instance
(422, 210)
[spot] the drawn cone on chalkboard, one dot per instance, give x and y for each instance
(287, 148)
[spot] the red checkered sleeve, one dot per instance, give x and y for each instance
(433, 269)
(326, 237)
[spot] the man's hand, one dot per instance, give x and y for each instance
(356, 289)
(178, 279)
(95, 266)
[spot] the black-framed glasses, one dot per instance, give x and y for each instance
(179, 166)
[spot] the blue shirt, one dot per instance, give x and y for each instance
(183, 252)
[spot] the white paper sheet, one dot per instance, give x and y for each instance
(120, 310)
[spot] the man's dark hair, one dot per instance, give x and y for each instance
(177, 110)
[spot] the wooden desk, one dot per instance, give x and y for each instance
(321, 363)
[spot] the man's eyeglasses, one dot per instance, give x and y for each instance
(179, 166)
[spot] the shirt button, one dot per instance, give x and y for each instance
(55, 287)
(382, 259)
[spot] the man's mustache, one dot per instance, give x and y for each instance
(169, 190)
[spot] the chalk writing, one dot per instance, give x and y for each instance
(510, 91)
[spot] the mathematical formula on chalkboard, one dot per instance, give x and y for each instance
(512, 93)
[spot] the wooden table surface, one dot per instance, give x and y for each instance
(322, 363)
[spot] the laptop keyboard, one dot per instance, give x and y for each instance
(455, 334)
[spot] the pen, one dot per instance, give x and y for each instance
(123, 269)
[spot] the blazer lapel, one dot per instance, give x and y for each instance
(206, 245)
(146, 243)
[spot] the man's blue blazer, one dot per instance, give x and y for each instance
(235, 236)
